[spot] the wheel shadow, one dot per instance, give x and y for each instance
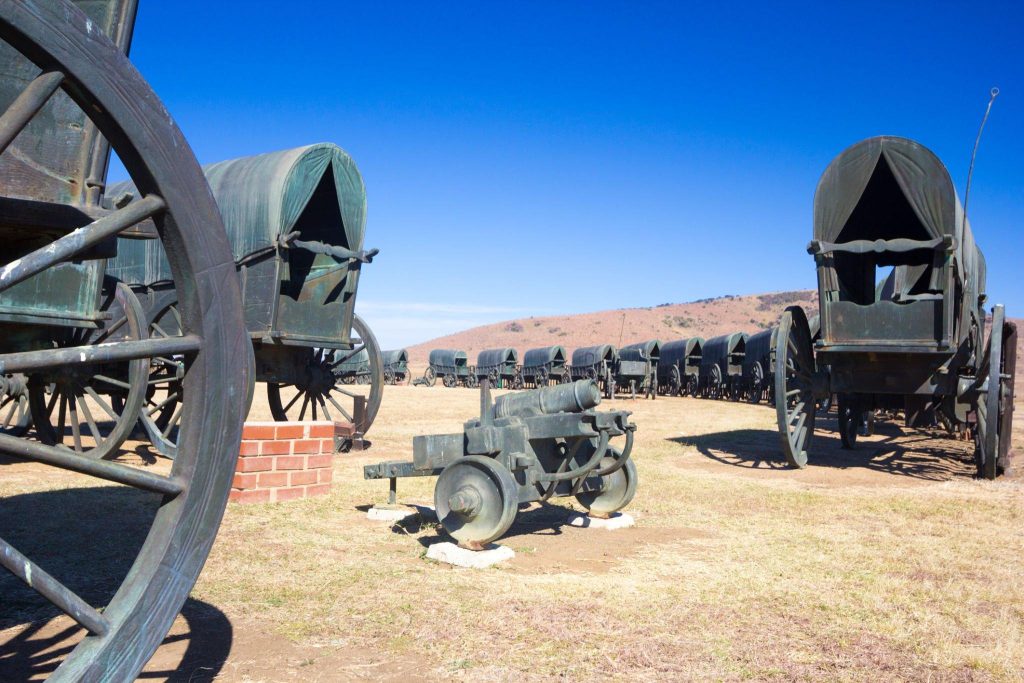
(88, 539)
(533, 521)
(893, 450)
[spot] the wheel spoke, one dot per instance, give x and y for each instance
(27, 105)
(76, 434)
(93, 427)
(173, 422)
(103, 353)
(101, 469)
(53, 590)
(340, 408)
(292, 402)
(350, 355)
(302, 412)
(60, 415)
(110, 380)
(160, 406)
(107, 408)
(63, 248)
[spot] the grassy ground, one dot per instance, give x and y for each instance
(891, 562)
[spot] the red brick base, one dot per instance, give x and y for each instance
(281, 461)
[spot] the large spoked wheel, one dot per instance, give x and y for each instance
(794, 386)
(190, 498)
(476, 500)
(615, 490)
(995, 407)
(320, 396)
(430, 376)
(160, 417)
(93, 407)
(449, 381)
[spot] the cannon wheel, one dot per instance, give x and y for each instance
(995, 407)
(617, 488)
(794, 396)
(476, 499)
(291, 402)
(430, 376)
(15, 415)
(117, 389)
(190, 498)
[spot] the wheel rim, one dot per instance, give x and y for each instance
(794, 397)
(616, 489)
(194, 495)
(476, 500)
(989, 417)
(323, 396)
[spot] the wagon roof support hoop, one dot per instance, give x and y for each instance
(52, 589)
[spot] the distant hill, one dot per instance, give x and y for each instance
(705, 318)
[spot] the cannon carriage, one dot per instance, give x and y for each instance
(545, 365)
(637, 369)
(500, 367)
(679, 366)
(526, 446)
(721, 366)
(452, 366)
(759, 365)
(295, 221)
(901, 286)
(596, 363)
(396, 366)
(76, 340)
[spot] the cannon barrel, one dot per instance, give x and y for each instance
(563, 398)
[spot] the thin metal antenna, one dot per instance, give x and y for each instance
(970, 171)
(622, 328)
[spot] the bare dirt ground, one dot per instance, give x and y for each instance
(890, 562)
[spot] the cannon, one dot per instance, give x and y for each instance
(526, 447)
(396, 366)
(596, 363)
(545, 365)
(637, 368)
(76, 340)
(501, 367)
(452, 366)
(721, 366)
(679, 366)
(295, 220)
(901, 285)
(759, 365)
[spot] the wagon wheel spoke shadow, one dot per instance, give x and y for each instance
(91, 557)
(913, 453)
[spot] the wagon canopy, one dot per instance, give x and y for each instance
(592, 355)
(535, 358)
(490, 358)
(759, 346)
(647, 350)
(888, 188)
(448, 357)
(316, 190)
(678, 350)
(719, 348)
(395, 357)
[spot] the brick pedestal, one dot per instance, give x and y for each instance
(281, 461)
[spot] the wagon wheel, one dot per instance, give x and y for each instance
(756, 383)
(430, 376)
(15, 415)
(995, 406)
(93, 407)
(850, 420)
(191, 497)
(566, 378)
(390, 377)
(794, 383)
(347, 378)
(616, 490)
(715, 389)
(517, 381)
(476, 499)
(541, 379)
(692, 384)
(320, 395)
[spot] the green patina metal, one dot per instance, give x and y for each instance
(679, 366)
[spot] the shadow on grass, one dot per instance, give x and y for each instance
(87, 538)
(910, 453)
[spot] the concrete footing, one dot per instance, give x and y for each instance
(619, 520)
(450, 553)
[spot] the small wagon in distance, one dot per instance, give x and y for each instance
(452, 366)
(596, 363)
(759, 365)
(545, 365)
(637, 368)
(396, 366)
(721, 365)
(501, 367)
(679, 366)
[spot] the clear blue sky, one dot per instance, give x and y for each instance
(553, 157)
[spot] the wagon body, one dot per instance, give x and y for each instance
(679, 365)
(597, 363)
(396, 364)
(451, 365)
(759, 363)
(637, 369)
(544, 364)
(721, 365)
(501, 366)
(354, 369)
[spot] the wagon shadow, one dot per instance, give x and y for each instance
(538, 520)
(912, 453)
(88, 538)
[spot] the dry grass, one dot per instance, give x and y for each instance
(888, 563)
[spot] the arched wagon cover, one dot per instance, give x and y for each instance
(449, 358)
(647, 350)
(548, 356)
(758, 349)
(394, 358)
(358, 363)
(679, 351)
(718, 350)
(492, 358)
(594, 355)
(889, 201)
(316, 189)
